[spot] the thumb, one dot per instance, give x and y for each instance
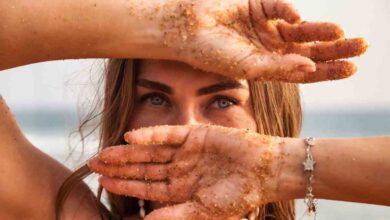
(188, 210)
(277, 67)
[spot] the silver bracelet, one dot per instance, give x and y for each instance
(308, 165)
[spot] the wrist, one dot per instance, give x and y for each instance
(292, 179)
(148, 29)
(287, 180)
(132, 30)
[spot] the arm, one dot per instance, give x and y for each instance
(233, 171)
(29, 179)
(354, 169)
(36, 31)
(240, 39)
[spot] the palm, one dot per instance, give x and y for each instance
(210, 170)
(262, 39)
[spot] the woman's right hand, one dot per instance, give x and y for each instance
(251, 39)
(258, 39)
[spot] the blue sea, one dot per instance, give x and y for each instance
(49, 130)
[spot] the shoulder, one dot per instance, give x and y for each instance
(30, 179)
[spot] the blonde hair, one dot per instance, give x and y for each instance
(276, 107)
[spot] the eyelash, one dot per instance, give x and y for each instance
(232, 100)
(165, 99)
(154, 94)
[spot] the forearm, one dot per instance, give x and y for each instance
(35, 31)
(353, 170)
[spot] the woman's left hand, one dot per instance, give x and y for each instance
(214, 172)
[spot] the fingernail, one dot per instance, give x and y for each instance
(307, 68)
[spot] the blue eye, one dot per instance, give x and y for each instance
(223, 102)
(155, 99)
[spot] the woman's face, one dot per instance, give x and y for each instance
(173, 93)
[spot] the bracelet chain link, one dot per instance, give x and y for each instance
(309, 164)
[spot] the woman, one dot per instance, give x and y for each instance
(249, 40)
(167, 92)
(208, 173)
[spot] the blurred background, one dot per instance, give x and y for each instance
(47, 97)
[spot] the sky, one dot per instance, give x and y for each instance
(58, 84)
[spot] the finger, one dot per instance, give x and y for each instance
(280, 9)
(270, 67)
(325, 51)
(334, 70)
(155, 191)
(155, 172)
(158, 135)
(188, 210)
(123, 154)
(310, 31)
(266, 31)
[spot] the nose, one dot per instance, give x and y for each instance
(190, 117)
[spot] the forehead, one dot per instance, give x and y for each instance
(174, 72)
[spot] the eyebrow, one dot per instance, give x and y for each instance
(154, 85)
(202, 91)
(219, 87)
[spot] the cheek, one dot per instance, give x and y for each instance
(146, 118)
(237, 118)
